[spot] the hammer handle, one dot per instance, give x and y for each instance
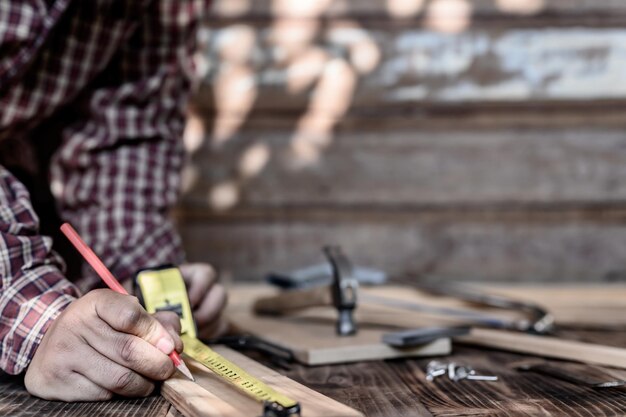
(292, 301)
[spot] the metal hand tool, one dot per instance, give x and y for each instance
(341, 294)
(539, 320)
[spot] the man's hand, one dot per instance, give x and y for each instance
(207, 298)
(103, 344)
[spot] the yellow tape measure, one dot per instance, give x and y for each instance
(164, 289)
(274, 401)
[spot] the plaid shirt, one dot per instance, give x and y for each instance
(114, 74)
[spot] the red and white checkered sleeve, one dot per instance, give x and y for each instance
(33, 290)
(118, 172)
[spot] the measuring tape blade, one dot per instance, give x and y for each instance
(275, 402)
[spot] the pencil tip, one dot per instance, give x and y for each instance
(185, 371)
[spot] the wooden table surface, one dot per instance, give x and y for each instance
(391, 388)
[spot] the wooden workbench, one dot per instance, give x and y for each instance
(392, 388)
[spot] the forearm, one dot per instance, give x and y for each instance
(33, 291)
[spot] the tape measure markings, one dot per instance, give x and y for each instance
(234, 374)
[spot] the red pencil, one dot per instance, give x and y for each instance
(110, 280)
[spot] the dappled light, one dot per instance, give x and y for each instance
(365, 56)
(448, 16)
(253, 160)
(404, 8)
(305, 69)
(193, 137)
(235, 92)
(300, 8)
(520, 6)
(224, 196)
(232, 8)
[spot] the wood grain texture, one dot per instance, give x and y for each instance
(515, 393)
(210, 396)
(15, 401)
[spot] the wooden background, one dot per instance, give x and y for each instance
(465, 139)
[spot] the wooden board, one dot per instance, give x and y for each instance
(314, 341)
(210, 396)
(550, 347)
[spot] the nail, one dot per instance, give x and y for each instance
(165, 345)
(482, 378)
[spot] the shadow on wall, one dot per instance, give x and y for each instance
(297, 54)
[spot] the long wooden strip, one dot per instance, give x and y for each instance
(210, 396)
(550, 347)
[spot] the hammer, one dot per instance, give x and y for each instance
(341, 293)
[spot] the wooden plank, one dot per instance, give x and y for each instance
(382, 166)
(255, 9)
(314, 342)
(540, 247)
(549, 347)
(210, 396)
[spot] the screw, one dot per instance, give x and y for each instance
(435, 365)
(452, 370)
(434, 374)
(461, 373)
(482, 378)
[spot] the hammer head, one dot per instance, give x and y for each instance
(344, 289)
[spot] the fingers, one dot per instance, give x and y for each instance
(211, 307)
(171, 322)
(129, 351)
(124, 314)
(79, 388)
(215, 329)
(199, 279)
(129, 336)
(111, 376)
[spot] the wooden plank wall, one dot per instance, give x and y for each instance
(465, 139)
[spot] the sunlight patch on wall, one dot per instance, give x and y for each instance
(253, 160)
(235, 93)
(224, 196)
(231, 8)
(448, 16)
(523, 7)
(404, 8)
(194, 134)
(300, 8)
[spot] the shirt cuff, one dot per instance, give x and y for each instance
(31, 322)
